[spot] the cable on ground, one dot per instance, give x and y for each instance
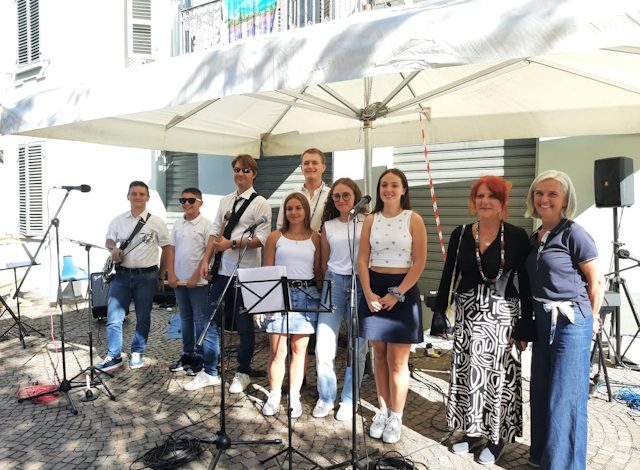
(394, 460)
(174, 453)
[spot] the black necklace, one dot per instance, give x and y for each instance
(478, 260)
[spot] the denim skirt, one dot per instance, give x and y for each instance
(301, 323)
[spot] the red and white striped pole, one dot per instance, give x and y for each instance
(434, 200)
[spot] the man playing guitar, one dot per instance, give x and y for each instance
(136, 275)
(246, 208)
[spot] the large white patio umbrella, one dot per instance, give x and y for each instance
(476, 70)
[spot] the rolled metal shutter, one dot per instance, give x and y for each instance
(279, 175)
(454, 169)
(182, 172)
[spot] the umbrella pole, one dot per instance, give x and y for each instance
(368, 150)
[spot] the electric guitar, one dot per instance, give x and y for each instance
(110, 267)
(216, 257)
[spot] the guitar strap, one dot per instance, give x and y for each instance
(136, 229)
(235, 216)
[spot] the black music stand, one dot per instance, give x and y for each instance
(92, 373)
(278, 292)
(22, 331)
(223, 441)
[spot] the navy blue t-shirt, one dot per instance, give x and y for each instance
(554, 271)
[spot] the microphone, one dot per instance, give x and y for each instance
(361, 203)
(252, 228)
(83, 188)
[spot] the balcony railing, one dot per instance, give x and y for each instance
(206, 26)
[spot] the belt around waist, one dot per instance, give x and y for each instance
(122, 269)
(302, 283)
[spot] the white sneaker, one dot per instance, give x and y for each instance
(377, 425)
(296, 408)
(392, 430)
(322, 409)
(239, 383)
(272, 406)
(201, 380)
(345, 412)
(136, 361)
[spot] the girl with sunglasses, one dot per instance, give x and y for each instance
(337, 260)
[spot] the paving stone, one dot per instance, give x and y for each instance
(151, 405)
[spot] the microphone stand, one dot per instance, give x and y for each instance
(223, 441)
(353, 351)
(92, 373)
(65, 385)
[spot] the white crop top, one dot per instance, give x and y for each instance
(391, 241)
(297, 256)
(340, 236)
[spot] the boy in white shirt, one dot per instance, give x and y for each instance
(188, 242)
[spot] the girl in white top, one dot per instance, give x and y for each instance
(297, 247)
(337, 239)
(393, 253)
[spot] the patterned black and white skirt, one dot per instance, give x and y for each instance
(485, 392)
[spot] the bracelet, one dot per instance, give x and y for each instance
(396, 293)
(234, 244)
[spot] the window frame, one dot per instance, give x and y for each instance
(28, 32)
(31, 184)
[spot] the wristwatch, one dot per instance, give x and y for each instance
(234, 244)
(396, 293)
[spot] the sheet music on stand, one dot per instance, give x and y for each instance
(262, 290)
(267, 290)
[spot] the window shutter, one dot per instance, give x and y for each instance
(30, 187)
(140, 45)
(28, 31)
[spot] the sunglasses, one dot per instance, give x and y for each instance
(190, 200)
(243, 170)
(345, 196)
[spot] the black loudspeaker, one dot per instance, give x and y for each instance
(613, 182)
(99, 294)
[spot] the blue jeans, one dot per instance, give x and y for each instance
(192, 302)
(139, 287)
(244, 323)
(560, 391)
(327, 339)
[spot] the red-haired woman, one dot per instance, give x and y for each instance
(493, 310)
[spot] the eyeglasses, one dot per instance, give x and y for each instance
(345, 196)
(190, 200)
(243, 170)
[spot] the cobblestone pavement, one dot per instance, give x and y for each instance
(151, 406)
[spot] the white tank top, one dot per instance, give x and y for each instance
(391, 241)
(340, 236)
(297, 256)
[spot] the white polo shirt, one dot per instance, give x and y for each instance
(259, 207)
(316, 204)
(189, 237)
(147, 241)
